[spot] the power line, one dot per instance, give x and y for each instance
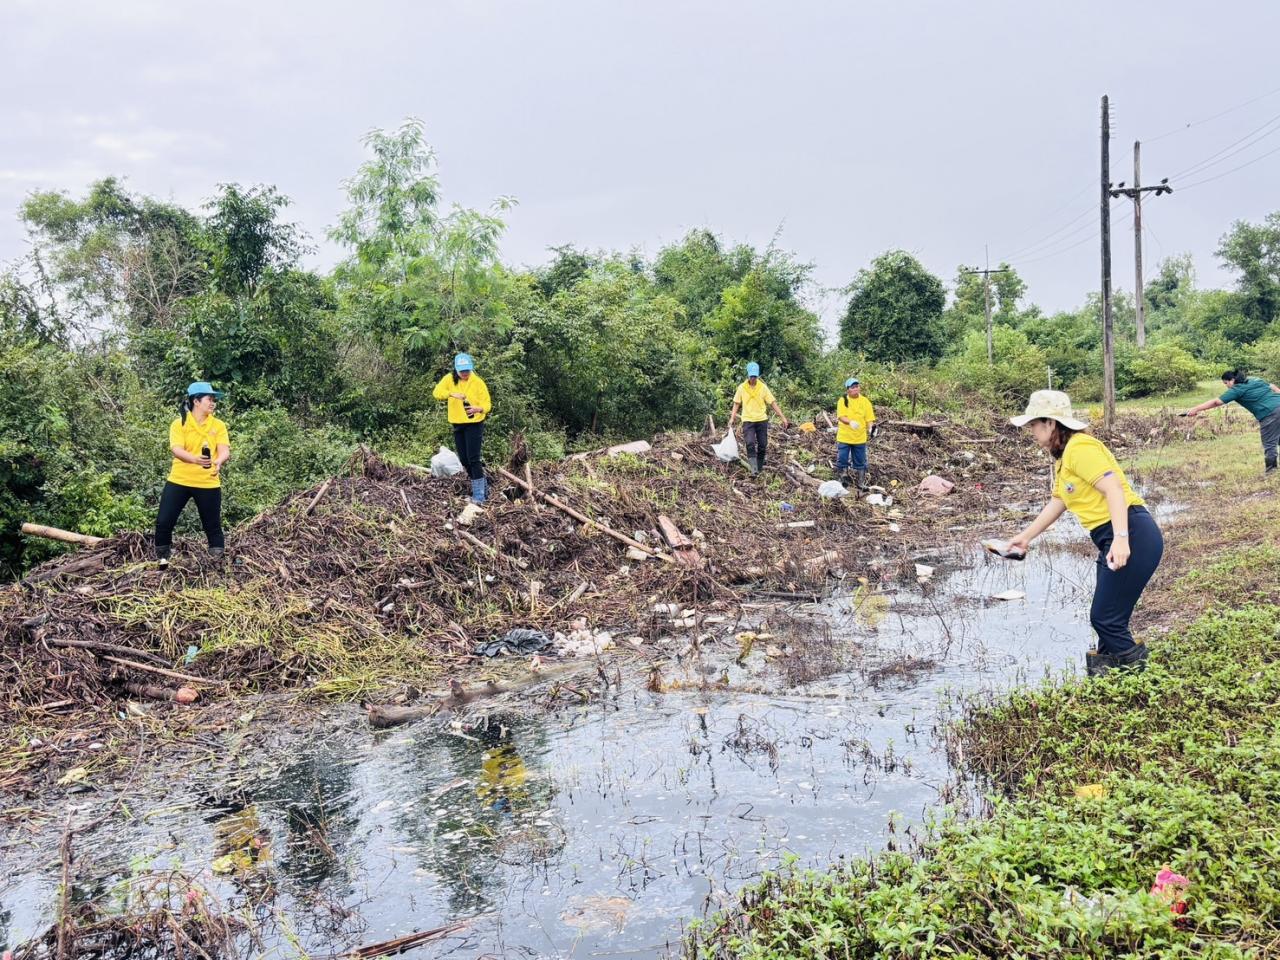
(1223, 154)
(1224, 173)
(1092, 236)
(1216, 116)
(1048, 237)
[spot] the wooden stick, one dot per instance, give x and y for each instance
(324, 488)
(174, 674)
(827, 417)
(528, 476)
(492, 551)
(150, 692)
(53, 533)
(98, 645)
(583, 518)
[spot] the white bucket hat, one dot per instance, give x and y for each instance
(1049, 405)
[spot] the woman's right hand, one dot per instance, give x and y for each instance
(1021, 542)
(458, 396)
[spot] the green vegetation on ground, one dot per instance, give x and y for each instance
(1187, 755)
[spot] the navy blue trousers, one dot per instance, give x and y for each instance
(1118, 591)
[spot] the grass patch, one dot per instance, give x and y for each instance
(1189, 756)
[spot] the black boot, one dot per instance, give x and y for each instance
(1271, 464)
(162, 556)
(863, 479)
(1096, 664)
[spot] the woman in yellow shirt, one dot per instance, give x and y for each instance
(469, 404)
(1088, 481)
(200, 446)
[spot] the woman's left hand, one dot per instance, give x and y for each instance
(472, 411)
(1118, 555)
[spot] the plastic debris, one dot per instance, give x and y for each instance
(879, 500)
(923, 572)
(1171, 888)
(635, 446)
(635, 553)
(1090, 791)
(446, 464)
(1009, 595)
(787, 507)
(584, 643)
(469, 513)
(831, 489)
(1001, 549)
(808, 427)
(521, 640)
(936, 486)
(726, 449)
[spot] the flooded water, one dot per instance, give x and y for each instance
(595, 831)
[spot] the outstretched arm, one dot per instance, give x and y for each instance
(1048, 516)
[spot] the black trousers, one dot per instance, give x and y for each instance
(467, 438)
(174, 498)
(1118, 591)
(755, 434)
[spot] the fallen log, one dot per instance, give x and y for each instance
(82, 565)
(583, 518)
(382, 716)
(53, 533)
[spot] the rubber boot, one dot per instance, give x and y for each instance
(862, 479)
(1270, 464)
(217, 553)
(1096, 664)
(1135, 659)
(478, 490)
(162, 556)
(753, 464)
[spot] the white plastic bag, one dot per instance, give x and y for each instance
(832, 489)
(726, 449)
(445, 464)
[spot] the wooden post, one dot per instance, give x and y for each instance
(986, 303)
(1138, 305)
(1108, 345)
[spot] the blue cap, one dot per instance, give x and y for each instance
(851, 382)
(753, 369)
(463, 362)
(202, 387)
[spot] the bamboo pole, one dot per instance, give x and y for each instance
(583, 518)
(53, 533)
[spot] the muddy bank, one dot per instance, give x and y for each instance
(368, 586)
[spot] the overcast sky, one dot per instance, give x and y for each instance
(847, 128)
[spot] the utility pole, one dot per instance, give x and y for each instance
(1108, 347)
(1135, 193)
(986, 297)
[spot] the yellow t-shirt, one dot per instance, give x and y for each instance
(1085, 461)
(754, 400)
(473, 388)
(859, 410)
(191, 437)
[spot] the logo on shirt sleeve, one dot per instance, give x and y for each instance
(1071, 488)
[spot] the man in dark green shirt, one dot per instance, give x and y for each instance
(1260, 398)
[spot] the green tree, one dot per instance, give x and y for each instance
(1253, 250)
(895, 310)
